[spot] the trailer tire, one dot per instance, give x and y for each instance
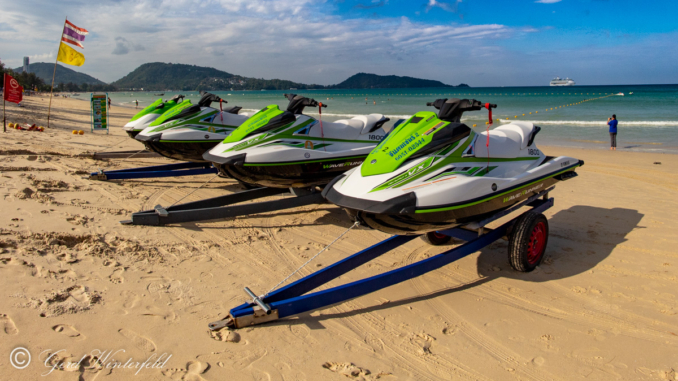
(436, 239)
(527, 242)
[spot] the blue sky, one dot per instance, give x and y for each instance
(482, 43)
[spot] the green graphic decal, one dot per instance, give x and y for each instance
(406, 175)
(515, 193)
(170, 113)
(296, 144)
(484, 171)
(358, 160)
(402, 143)
(256, 121)
(148, 110)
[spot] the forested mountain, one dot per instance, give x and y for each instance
(168, 76)
(374, 81)
(44, 71)
(159, 76)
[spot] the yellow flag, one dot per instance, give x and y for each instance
(70, 56)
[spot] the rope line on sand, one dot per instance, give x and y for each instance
(105, 148)
(194, 190)
(312, 258)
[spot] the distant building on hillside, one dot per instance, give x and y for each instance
(26, 62)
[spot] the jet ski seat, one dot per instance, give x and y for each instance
(505, 141)
(350, 129)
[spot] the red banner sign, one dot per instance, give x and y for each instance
(13, 92)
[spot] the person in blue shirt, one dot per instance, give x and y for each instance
(612, 122)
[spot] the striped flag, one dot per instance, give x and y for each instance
(73, 35)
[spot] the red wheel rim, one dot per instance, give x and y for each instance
(535, 248)
(438, 235)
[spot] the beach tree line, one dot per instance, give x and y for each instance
(30, 81)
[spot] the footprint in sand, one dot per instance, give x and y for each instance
(67, 330)
(352, 371)
(225, 335)
(79, 293)
(288, 372)
(192, 371)
(131, 299)
(7, 325)
(422, 342)
(169, 316)
(139, 341)
(243, 359)
(116, 277)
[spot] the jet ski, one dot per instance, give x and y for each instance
(150, 113)
(187, 131)
(434, 172)
(287, 149)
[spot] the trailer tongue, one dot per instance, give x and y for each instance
(527, 233)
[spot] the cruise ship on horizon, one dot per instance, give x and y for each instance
(557, 81)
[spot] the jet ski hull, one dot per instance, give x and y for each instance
(133, 134)
(184, 151)
(285, 175)
(401, 215)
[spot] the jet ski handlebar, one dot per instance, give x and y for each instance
(452, 109)
(298, 102)
(207, 99)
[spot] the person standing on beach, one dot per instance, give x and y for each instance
(612, 122)
(109, 103)
(137, 102)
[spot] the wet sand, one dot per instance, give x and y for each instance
(602, 305)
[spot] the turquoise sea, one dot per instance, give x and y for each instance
(648, 114)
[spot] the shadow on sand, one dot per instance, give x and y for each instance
(579, 239)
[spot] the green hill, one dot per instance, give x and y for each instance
(159, 76)
(374, 81)
(44, 71)
(162, 76)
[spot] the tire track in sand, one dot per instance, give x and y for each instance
(505, 356)
(628, 323)
(401, 346)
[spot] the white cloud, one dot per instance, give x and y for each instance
(300, 40)
(42, 57)
(122, 46)
(548, 1)
(449, 7)
(258, 38)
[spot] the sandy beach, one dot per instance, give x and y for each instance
(603, 305)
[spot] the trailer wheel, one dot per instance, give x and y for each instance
(527, 242)
(436, 239)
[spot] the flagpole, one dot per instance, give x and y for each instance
(4, 120)
(51, 90)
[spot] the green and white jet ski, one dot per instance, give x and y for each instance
(150, 113)
(187, 131)
(434, 172)
(287, 149)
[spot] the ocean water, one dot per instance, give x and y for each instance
(647, 114)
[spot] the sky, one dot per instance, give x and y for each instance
(480, 43)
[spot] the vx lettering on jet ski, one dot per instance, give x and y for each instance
(522, 193)
(410, 143)
(339, 165)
